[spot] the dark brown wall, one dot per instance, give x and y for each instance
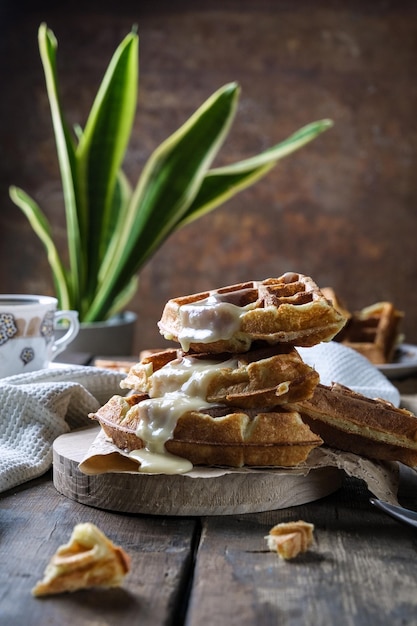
(344, 209)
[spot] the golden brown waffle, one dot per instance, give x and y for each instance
(289, 539)
(372, 428)
(218, 436)
(118, 365)
(290, 309)
(264, 377)
(89, 559)
(374, 332)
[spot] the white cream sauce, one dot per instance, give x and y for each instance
(178, 387)
(160, 463)
(209, 320)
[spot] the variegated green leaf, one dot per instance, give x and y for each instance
(167, 186)
(102, 148)
(222, 183)
(42, 228)
(113, 230)
(66, 158)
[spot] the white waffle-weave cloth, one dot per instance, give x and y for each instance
(337, 363)
(37, 407)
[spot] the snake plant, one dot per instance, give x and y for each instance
(113, 228)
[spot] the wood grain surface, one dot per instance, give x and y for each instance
(227, 494)
(36, 520)
(360, 571)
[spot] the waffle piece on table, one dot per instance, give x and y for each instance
(290, 309)
(118, 365)
(289, 539)
(89, 559)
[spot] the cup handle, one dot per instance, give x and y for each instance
(74, 326)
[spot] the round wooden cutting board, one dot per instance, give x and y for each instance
(228, 494)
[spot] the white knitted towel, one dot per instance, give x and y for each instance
(337, 363)
(37, 407)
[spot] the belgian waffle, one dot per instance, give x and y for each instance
(218, 436)
(263, 377)
(352, 422)
(290, 310)
(238, 392)
(374, 332)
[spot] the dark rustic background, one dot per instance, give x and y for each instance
(342, 210)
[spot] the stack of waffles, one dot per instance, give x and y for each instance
(236, 392)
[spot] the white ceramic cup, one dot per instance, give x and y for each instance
(27, 325)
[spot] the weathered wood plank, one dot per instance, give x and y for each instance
(36, 519)
(361, 570)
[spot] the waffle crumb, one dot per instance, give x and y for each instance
(88, 560)
(290, 538)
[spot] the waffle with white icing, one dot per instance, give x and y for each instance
(290, 310)
(217, 436)
(262, 377)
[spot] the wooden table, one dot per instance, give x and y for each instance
(362, 569)
(204, 571)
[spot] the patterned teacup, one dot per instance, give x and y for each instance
(27, 324)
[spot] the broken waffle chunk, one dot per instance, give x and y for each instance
(290, 538)
(89, 559)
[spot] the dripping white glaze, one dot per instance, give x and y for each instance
(178, 387)
(209, 320)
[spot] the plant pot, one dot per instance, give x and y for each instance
(113, 338)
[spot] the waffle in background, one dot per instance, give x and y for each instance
(118, 365)
(123, 365)
(374, 331)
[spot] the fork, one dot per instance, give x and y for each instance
(397, 512)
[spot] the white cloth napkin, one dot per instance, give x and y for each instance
(337, 363)
(37, 407)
